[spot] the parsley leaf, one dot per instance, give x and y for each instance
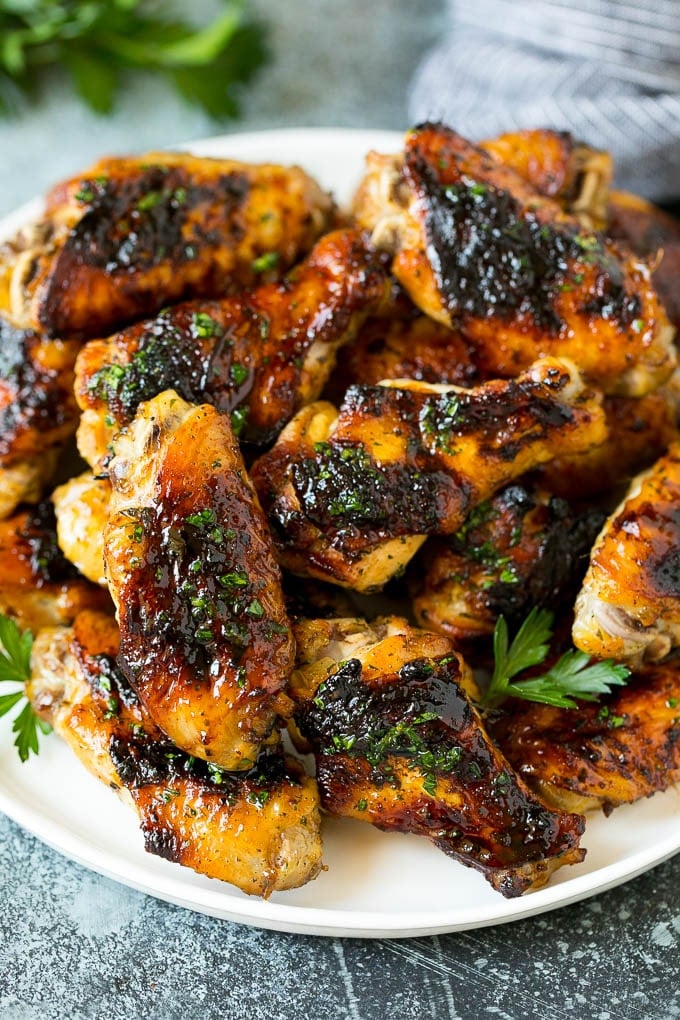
(571, 677)
(15, 668)
(99, 42)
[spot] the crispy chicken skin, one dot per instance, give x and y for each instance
(398, 744)
(38, 587)
(654, 235)
(205, 640)
(625, 747)
(38, 411)
(260, 355)
(132, 234)
(81, 507)
(258, 830)
(639, 432)
(629, 606)
(559, 167)
(478, 248)
(520, 549)
(352, 494)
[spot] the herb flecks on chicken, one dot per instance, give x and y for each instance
(205, 640)
(258, 829)
(398, 744)
(478, 248)
(351, 495)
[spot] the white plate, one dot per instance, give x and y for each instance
(376, 884)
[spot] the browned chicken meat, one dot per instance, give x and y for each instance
(205, 640)
(629, 606)
(478, 248)
(38, 411)
(558, 166)
(519, 550)
(38, 587)
(625, 747)
(258, 829)
(640, 431)
(81, 507)
(351, 495)
(259, 355)
(398, 744)
(132, 234)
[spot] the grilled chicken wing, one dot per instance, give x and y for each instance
(625, 747)
(258, 830)
(629, 606)
(351, 495)
(518, 550)
(38, 587)
(655, 236)
(398, 744)
(130, 235)
(559, 167)
(259, 355)
(81, 506)
(478, 248)
(205, 640)
(38, 412)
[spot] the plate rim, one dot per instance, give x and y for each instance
(268, 914)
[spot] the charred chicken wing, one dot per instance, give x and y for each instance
(629, 606)
(133, 234)
(258, 829)
(351, 495)
(478, 248)
(398, 744)
(205, 640)
(259, 355)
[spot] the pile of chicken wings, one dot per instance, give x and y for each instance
(320, 453)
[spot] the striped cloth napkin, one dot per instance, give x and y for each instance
(606, 70)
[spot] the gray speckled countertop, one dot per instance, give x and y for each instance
(74, 945)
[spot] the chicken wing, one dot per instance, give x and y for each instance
(478, 248)
(397, 743)
(351, 495)
(259, 355)
(81, 507)
(205, 640)
(38, 412)
(518, 550)
(629, 606)
(38, 587)
(258, 830)
(132, 234)
(625, 747)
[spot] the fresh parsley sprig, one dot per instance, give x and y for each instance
(98, 42)
(15, 668)
(571, 677)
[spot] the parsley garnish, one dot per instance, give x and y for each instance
(571, 677)
(15, 668)
(99, 42)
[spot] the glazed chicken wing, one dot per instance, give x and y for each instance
(258, 829)
(629, 606)
(398, 744)
(38, 587)
(519, 550)
(478, 248)
(38, 411)
(133, 234)
(81, 507)
(259, 355)
(625, 747)
(351, 495)
(205, 640)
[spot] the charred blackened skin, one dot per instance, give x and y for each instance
(663, 563)
(139, 222)
(492, 260)
(37, 402)
(39, 533)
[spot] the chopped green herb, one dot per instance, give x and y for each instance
(238, 373)
(265, 262)
(205, 326)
